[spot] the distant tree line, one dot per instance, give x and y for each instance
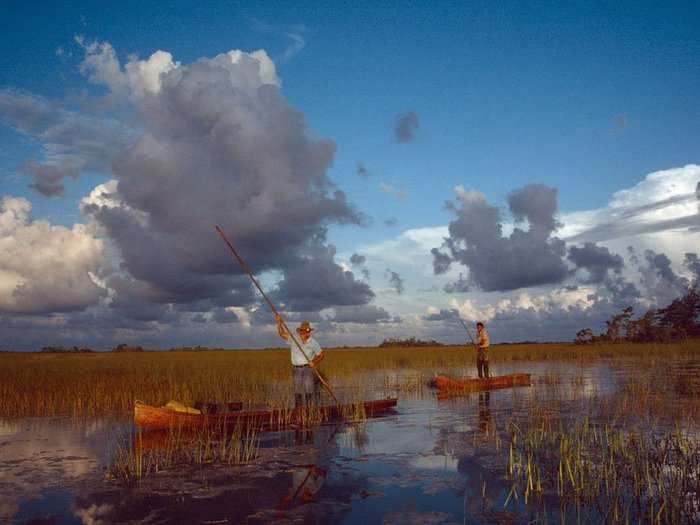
(679, 320)
(197, 348)
(76, 350)
(123, 347)
(411, 341)
(64, 350)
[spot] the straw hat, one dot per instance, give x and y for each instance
(305, 326)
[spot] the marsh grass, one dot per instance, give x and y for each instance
(108, 383)
(628, 457)
(617, 474)
(139, 454)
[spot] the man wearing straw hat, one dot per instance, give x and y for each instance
(307, 386)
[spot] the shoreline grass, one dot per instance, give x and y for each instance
(97, 384)
(627, 457)
(137, 455)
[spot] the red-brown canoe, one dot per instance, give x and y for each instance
(444, 383)
(159, 418)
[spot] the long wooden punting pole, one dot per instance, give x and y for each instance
(467, 329)
(247, 270)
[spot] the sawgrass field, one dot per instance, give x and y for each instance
(560, 450)
(102, 383)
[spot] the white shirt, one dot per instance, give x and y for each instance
(311, 349)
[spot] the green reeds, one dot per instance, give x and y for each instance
(627, 457)
(104, 383)
(139, 454)
(611, 472)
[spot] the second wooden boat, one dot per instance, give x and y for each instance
(446, 384)
(162, 418)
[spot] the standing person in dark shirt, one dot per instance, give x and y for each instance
(482, 351)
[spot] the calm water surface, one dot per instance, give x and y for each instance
(427, 462)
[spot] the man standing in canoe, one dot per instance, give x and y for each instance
(482, 351)
(307, 386)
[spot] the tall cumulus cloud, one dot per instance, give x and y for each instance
(220, 145)
(211, 142)
(496, 262)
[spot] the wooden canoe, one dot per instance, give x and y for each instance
(161, 418)
(447, 384)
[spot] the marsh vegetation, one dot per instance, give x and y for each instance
(99, 384)
(607, 432)
(630, 457)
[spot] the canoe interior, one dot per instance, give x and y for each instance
(160, 418)
(446, 384)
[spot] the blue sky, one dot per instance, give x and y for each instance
(588, 99)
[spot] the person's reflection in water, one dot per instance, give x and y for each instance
(307, 480)
(478, 500)
(303, 436)
(485, 423)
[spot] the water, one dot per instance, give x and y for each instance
(427, 462)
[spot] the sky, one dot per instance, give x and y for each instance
(383, 169)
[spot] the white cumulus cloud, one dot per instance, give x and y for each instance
(139, 78)
(45, 268)
(560, 299)
(144, 75)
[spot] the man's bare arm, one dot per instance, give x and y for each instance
(318, 358)
(281, 330)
